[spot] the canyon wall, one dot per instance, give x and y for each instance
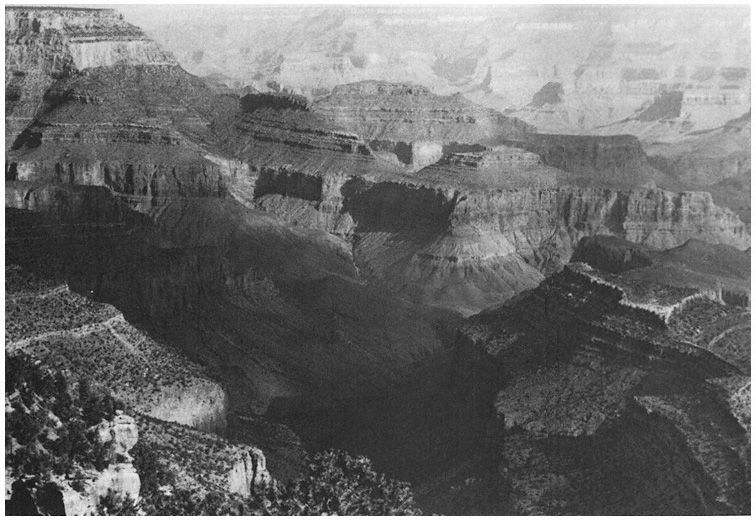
(44, 45)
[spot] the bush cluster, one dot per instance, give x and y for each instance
(53, 420)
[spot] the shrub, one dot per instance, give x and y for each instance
(336, 483)
(114, 505)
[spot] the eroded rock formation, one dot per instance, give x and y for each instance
(46, 44)
(410, 126)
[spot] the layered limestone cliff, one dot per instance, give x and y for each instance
(479, 217)
(410, 126)
(92, 100)
(497, 215)
(612, 161)
(44, 44)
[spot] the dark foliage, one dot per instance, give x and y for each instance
(336, 483)
(47, 446)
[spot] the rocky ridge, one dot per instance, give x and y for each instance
(619, 367)
(310, 182)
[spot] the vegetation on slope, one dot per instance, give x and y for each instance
(51, 425)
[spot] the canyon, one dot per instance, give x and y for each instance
(483, 309)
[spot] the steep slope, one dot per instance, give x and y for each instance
(119, 116)
(594, 408)
(67, 331)
(44, 45)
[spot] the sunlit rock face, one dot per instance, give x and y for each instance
(93, 101)
(47, 44)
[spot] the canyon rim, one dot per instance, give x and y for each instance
(377, 260)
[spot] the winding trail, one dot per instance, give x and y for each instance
(78, 332)
(38, 294)
(129, 346)
(721, 335)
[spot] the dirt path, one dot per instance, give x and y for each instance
(721, 335)
(78, 332)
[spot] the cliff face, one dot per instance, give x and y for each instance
(93, 101)
(47, 44)
(410, 126)
(612, 161)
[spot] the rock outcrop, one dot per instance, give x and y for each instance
(249, 475)
(120, 477)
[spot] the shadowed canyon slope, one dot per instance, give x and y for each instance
(381, 268)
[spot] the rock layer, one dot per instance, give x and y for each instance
(411, 126)
(44, 44)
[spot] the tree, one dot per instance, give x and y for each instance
(113, 504)
(336, 483)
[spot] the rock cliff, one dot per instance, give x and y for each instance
(479, 217)
(45, 44)
(107, 107)
(411, 126)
